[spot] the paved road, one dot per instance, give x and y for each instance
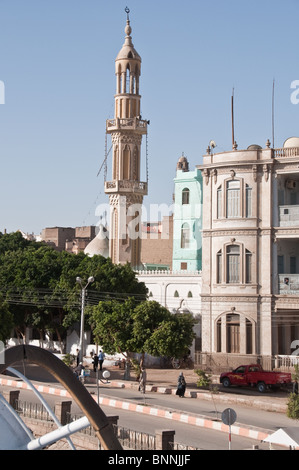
(198, 437)
(213, 408)
(187, 434)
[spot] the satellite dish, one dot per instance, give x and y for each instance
(212, 144)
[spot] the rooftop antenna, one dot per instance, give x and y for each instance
(273, 113)
(233, 126)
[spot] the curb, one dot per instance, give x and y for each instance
(189, 418)
(255, 402)
(242, 430)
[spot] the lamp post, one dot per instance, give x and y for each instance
(83, 290)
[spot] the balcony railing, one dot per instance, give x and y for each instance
(288, 215)
(288, 284)
(286, 152)
(126, 186)
(127, 124)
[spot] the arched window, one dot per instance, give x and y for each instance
(185, 236)
(248, 201)
(219, 267)
(219, 202)
(185, 196)
(127, 80)
(248, 267)
(233, 264)
(176, 294)
(233, 206)
(126, 163)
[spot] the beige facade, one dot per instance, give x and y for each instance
(71, 239)
(157, 244)
(250, 278)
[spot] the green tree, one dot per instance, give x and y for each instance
(6, 321)
(26, 278)
(111, 282)
(158, 332)
(14, 241)
(293, 400)
(111, 323)
(143, 328)
(39, 283)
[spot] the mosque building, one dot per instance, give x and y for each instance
(125, 190)
(235, 251)
(160, 261)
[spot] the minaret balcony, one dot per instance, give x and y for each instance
(126, 124)
(126, 186)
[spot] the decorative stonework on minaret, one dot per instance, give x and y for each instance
(125, 190)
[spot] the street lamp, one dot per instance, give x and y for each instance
(83, 290)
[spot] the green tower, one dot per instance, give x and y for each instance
(187, 218)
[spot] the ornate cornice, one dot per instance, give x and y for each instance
(212, 298)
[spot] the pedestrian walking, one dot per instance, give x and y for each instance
(95, 362)
(101, 359)
(181, 386)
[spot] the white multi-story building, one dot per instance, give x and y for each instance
(250, 276)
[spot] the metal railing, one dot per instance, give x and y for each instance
(70, 417)
(127, 437)
(135, 439)
(32, 410)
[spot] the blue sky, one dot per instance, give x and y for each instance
(57, 65)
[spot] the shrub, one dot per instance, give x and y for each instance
(68, 359)
(204, 380)
(293, 406)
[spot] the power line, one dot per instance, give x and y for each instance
(45, 297)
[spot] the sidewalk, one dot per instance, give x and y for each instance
(165, 381)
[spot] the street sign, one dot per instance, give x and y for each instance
(229, 416)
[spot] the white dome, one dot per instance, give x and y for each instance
(100, 244)
(291, 142)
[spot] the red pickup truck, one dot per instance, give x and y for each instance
(253, 375)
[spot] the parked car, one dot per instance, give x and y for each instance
(253, 375)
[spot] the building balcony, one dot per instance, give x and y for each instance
(127, 124)
(289, 216)
(288, 284)
(126, 186)
(286, 152)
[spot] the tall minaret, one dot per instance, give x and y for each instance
(126, 191)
